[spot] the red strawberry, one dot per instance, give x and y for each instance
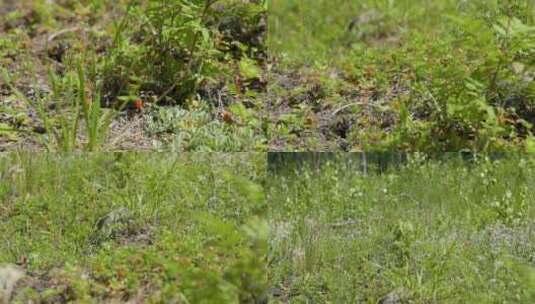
(138, 104)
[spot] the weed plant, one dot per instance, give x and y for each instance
(440, 231)
(86, 67)
(404, 75)
(175, 45)
(135, 227)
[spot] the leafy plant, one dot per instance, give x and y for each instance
(181, 44)
(74, 102)
(146, 227)
(426, 76)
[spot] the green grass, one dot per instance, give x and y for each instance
(403, 75)
(90, 75)
(219, 228)
(427, 232)
(186, 228)
(322, 26)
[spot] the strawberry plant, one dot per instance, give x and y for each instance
(176, 46)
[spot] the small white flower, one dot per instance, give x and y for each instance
(508, 194)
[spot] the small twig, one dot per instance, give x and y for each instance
(219, 102)
(358, 103)
(166, 92)
(64, 31)
(344, 223)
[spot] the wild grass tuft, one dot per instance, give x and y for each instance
(442, 230)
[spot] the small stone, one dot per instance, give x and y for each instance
(9, 276)
(396, 296)
(121, 215)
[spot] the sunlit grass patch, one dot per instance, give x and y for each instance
(448, 231)
(402, 75)
(135, 227)
(133, 55)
